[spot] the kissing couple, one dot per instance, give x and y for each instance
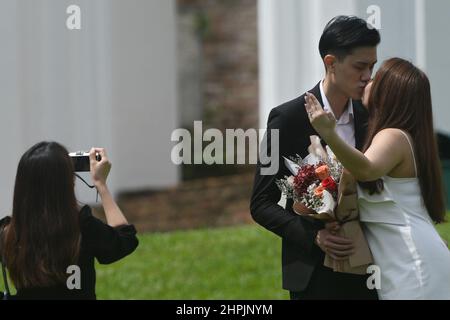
(381, 130)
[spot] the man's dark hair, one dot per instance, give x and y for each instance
(343, 34)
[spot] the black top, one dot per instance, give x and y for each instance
(299, 254)
(98, 240)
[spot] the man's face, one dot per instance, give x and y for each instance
(353, 73)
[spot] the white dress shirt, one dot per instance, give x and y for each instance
(345, 125)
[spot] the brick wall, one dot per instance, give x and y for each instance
(229, 41)
(210, 202)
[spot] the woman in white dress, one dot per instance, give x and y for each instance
(400, 191)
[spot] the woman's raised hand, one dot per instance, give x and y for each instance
(323, 122)
(99, 169)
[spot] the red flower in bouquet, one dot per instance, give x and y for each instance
(329, 184)
(304, 178)
(314, 182)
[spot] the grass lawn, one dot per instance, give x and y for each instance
(444, 229)
(230, 263)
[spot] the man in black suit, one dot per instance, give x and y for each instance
(348, 48)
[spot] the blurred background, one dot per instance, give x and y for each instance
(139, 69)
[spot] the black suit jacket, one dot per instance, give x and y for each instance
(299, 253)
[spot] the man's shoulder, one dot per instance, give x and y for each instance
(291, 106)
(293, 110)
(296, 107)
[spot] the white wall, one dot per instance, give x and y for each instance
(111, 84)
(144, 92)
(437, 62)
(290, 30)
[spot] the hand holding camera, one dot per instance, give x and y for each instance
(95, 161)
(81, 161)
(99, 168)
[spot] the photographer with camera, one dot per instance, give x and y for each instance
(49, 232)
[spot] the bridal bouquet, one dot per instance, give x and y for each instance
(314, 183)
(322, 189)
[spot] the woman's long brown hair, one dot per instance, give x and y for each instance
(43, 238)
(401, 98)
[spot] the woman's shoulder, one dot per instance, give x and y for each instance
(393, 132)
(85, 211)
(85, 214)
(399, 144)
(393, 137)
(106, 243)
(87, 219)
(91, 224)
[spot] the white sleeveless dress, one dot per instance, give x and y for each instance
(413, 259)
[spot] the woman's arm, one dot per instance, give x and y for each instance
(385, 153)
(99, 173)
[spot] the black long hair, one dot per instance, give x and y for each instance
(43, 238)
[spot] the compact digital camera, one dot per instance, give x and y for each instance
(81, 162)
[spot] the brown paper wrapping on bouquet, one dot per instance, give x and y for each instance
(347, 214)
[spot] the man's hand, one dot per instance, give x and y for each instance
(339, 248)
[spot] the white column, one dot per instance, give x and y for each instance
(145, 96)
